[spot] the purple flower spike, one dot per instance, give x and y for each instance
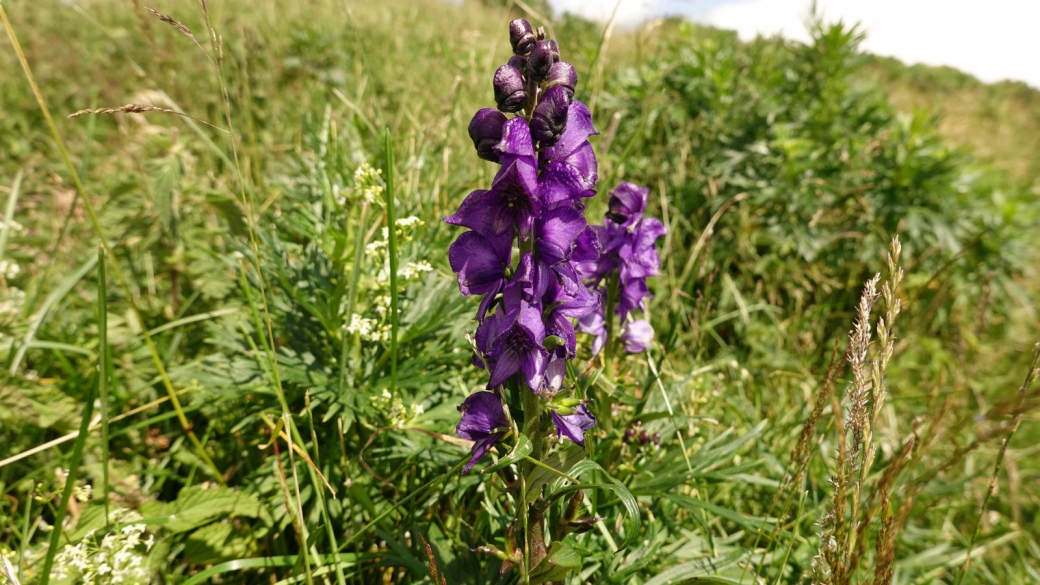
(485, 129)
(627, 203)
(550, 116)
(482, 416)
(637, 336)
(573, 426)
(539, 61)
(564, 75)
(521, 36)
(509, 89)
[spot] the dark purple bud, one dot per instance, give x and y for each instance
(644, 437)
(564, 75)
(657, 438)
(485, 129)
(555, 49)
(630, 434)
(518, 61)
(550, 116)
(539, 61)
(509, 89)
(521, 36)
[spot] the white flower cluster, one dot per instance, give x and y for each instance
(115, 558)
(9, 269)
(378, 286)
(367, 184)
(394, 409)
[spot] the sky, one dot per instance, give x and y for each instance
(991, 39)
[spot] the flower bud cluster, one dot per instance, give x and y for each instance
(527, 238)
(534, 83)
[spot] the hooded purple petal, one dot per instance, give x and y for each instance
(482, 414)
(594, 325)
(573, 147)
(561, 184)
(637, 335)
(627, 203)
(550, 115)
(480, 262)
(485, 129)
(573, 426)
(557, 231)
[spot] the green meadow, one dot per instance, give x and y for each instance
(232, 347)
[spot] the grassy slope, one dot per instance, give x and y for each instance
(283, 61)
(999, 122)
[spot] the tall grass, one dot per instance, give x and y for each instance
(281, 353)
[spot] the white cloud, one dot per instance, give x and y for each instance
(991, 39)
(630, 12)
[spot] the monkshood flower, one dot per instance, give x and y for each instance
(536, 202)
(629, 255)
(574, 425)
(483, 422)
(637, 335)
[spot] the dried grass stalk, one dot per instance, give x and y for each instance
(181, 27)
(140, 109)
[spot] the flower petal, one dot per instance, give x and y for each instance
(573, 426)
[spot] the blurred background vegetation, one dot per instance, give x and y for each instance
(254, 273)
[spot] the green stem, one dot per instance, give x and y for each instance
(608, 324)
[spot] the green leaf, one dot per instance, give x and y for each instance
(522, 449)
(561, 461)
(560, 560)
(619, 489)
(698, 571)
(195, 507)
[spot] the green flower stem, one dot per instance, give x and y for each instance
(534, 428)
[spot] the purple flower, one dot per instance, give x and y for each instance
(555, 372)
(627, 203)
(637, 335)
(550, 115)
(518, 346)
(513, 199)
(510, 94)
(639, 256)
(573, 147)
(483, 422)
(521, 36)
(594, 325)
(565, 300)
(540, 61)
(564, 75)
(573, 426)
(481, 265)
(561, 184)
(557, 232)
(485, 129)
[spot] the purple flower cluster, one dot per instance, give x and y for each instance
(627, 258)
(536, 201)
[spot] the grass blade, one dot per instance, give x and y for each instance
(391, 228)
(70, 481)
(103, 366)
